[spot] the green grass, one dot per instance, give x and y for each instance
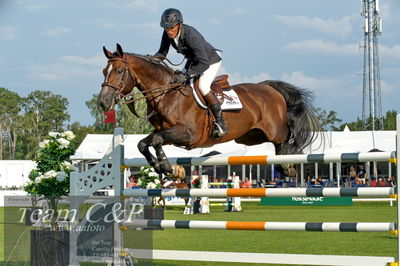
(332, 243)
(2, 234)
(366, 243)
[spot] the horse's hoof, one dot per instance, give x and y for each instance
(157, 168)
(219, 134)
(165, 168)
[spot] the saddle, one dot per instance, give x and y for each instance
(219, 85)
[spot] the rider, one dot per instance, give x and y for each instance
(202, 60)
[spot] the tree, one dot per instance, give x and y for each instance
(389, 122)
(353, 126)
(327, 120)
(10, 107)
(98, 116)
(44, 112)
(125, 119)
(81, 131)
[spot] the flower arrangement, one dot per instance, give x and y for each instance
(50, 179)
(196, 182)
(149, 178)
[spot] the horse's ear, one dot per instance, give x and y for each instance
(119, 50)
(107, 53)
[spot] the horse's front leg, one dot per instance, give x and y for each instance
(178, 135)
(143, 147)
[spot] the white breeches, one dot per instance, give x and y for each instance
(208, 77)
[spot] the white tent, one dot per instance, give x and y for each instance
(353, 141)
(14, 173)
(95, 146)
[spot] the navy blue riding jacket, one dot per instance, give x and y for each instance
(198, 52)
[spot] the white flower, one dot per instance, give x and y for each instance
(151, 185)
(157, 181)
(50, 174)
(153, 174)
(61, 176)
(54, 134)
(141, 168)
(63, 142)
(66, 165)
(68, 134)
(27, 183)
(38, 179)
(44, 143)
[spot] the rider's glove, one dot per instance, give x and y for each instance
(181, 78)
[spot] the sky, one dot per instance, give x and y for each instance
(314, 44)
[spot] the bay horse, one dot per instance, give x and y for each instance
(273, 111)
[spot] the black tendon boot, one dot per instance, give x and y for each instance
(220, 129)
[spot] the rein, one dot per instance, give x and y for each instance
(161, 58)
(147, 93)
(151, 92)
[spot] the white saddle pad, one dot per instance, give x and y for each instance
(233, 104)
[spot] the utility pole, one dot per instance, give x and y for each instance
(372, 103)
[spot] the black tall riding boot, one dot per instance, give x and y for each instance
(220, 129)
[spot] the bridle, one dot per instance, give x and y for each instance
(146, 92)
(119, 89)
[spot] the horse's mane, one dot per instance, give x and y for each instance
(153, 60)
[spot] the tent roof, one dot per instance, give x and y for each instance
(95, 146)
(353, 141)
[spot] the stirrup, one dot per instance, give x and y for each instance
(218, 132)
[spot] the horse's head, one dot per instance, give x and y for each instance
(118, 80)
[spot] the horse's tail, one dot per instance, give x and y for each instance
(302, 122)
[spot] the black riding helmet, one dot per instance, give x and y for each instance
(170, 18)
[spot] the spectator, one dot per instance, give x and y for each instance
(382, 182)
(352, 173)
(318, 182)
(276, 183)
(277, 173)
(374, 183)
(308, 176)
(357, 182)
(133, 181)
(361, 172)
(246, 183)
(392, 181)
(221, 180)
